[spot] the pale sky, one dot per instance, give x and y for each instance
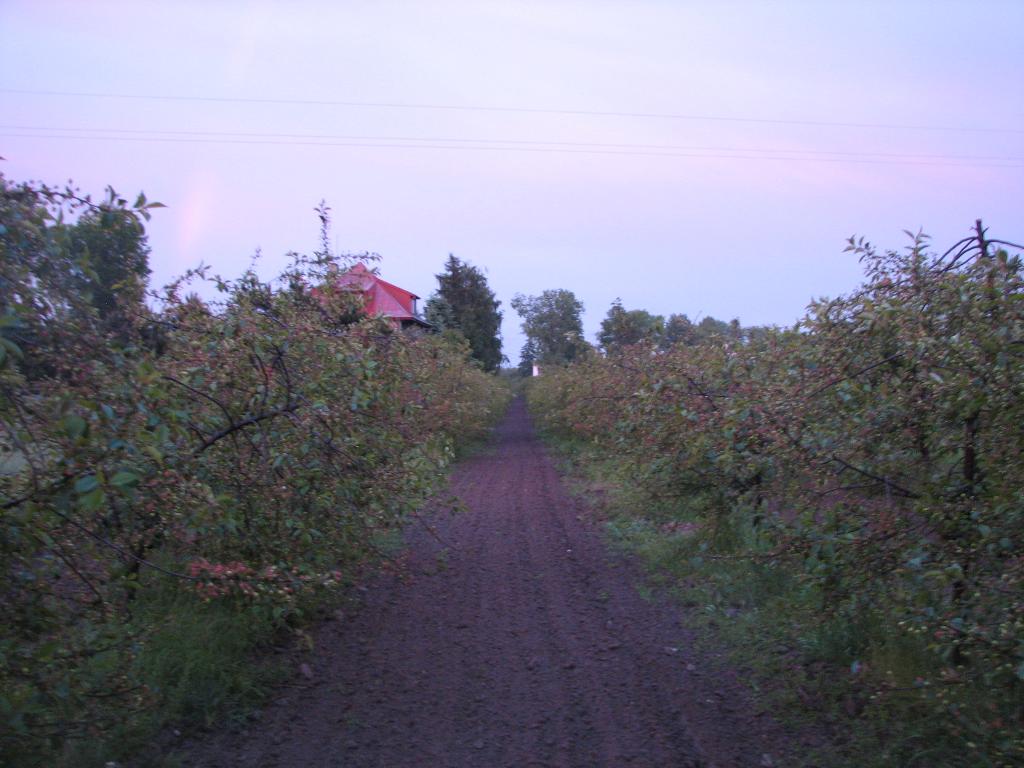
(701, 157)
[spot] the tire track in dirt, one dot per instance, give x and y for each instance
(515, 640)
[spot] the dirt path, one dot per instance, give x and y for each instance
(517, 642)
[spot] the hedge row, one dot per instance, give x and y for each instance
(244, 454)
(863, 468)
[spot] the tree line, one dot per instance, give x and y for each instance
(553, 325)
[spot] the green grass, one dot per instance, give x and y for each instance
(200, 661)
(204, 663)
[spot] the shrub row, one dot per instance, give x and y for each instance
(162, 465)
(863, 467)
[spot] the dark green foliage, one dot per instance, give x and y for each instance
(681, 330)
(553, 325)
(87, 275)
(624, 328)
(113, 244)
(465, 303)
(439, 313)
(678, 330)
(528, 356)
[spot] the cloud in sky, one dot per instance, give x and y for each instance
(673, 215)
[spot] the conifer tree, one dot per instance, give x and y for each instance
(464, 302)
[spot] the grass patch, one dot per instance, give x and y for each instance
(202, 663)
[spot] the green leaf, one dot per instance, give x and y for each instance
(86, 484)
(93, 500)
(47, 650)
(74, 425)
(9, 347)
(125, 479)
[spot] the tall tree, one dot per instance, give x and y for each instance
(713, 329)
(111, 248)
(439, 313)
(679, 330)
(623, 328)
(527, 357)
(87, 267)
(464, 302)
(552, 322)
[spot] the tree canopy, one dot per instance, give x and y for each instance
(623, 328)
(464, 302)
(552, 324)
(681, 330)
(115, 248)
(89, 271)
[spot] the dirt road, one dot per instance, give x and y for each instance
(515, 640)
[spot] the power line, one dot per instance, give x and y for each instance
(519, 110)
(482, 148)
(526, 142)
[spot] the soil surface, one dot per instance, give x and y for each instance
(513, 638)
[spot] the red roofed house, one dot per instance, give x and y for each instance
(383, 298)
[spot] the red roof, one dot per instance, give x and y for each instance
(382, 298)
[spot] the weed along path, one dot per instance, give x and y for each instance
(513, 639)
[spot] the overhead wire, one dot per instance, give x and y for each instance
(390, 144)
(503, 141)
(509, 109)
